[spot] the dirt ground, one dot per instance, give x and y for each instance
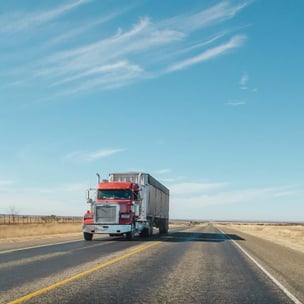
(291, 236)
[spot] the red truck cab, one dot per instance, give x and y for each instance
(114, 210)
(123, 193)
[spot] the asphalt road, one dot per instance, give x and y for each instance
(193, 265)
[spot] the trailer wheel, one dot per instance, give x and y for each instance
(88, 236)
(166, 228)
(163, 226)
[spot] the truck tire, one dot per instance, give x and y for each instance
(160, 227)
(166, 228)
(144, 233)
(130, 235)
(147, 232)
(150, 229)
(88, 236)
(163, 226)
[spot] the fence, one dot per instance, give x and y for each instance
(13, 219)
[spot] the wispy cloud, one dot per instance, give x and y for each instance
(103, 63)
(234, 42)
(6, 185)
(92, 156)
(129, 55)
(103, 153)
(213, 194)
(207, 17)
(23, 21)
(73, 33)
(243, 81)
(195, 188)
(163, 171)
(72, 187)
(235, 103)
(244, 84)
(6, 182)
(107, 69)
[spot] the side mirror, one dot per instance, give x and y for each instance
(89, 201)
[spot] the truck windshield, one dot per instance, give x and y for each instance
(114, 194)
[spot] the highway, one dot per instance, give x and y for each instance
(195, 264)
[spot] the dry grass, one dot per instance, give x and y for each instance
(21, 231)
(30, 230)
(291, 236)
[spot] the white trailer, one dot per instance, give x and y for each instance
(153, 209)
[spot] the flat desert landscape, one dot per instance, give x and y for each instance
(288, 235)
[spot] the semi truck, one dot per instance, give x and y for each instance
(126, 204)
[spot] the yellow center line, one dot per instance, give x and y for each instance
(82, 274)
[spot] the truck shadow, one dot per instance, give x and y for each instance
(199, 237)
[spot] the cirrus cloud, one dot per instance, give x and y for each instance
(92, 156)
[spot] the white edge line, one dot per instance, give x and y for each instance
(38, 246)
(41, 246)
(273, 279)
(50, 244)
(54, 244)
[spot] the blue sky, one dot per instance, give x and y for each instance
(206, 96)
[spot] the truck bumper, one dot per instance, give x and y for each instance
(106, 229)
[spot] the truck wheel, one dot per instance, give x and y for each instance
(145, 233)
(88, 236)
(130, 235)
(166, 226)
(163, 226)
(150, 229)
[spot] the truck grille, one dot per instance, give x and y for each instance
(106, 214)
